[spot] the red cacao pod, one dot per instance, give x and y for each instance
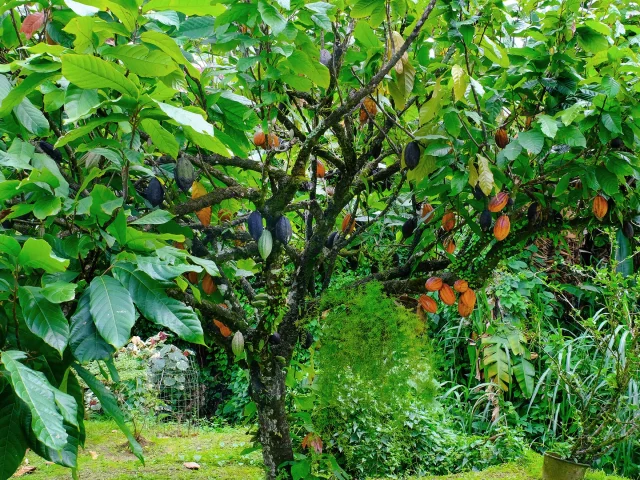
(449, 221)
(450, 246)
(320, 170)
(428, 304)
(501, 137)
(259, 139)
(498, 202)
(427, 212)
(501, 228)
(463, 309)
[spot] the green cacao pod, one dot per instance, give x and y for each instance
(412, 155)
(254, 225)
(237, 343)
(154, 192)
(184, 174)
(265, 244)
(283, 230)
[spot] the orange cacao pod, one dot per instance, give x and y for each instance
(498, 202)
(348, 225)
(433, 284)
(461, 286)
(428, 304)
(463, 309)
(320, 170)
(600, 207)
(259, 139)
(501, 228)
(192, 277)
(447, 295)
(274, 141)
(501, 137)
(468, 298)
(450, 246)
(427, 212)
(208, 285)
(178, 245)
(449, 221)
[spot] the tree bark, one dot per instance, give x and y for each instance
(268, 391)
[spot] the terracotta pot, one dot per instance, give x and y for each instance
(555, 468)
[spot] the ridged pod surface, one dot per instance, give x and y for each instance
(237, 343)
(265, 244)
(502, 228)
(449, 221)
(461, 286)
(409, 227)
(447, 295)
(283, 230)
(498, 202)
(428, 304)
(348, 225)
(433, 284)
(254, 225)
(412, 155)
(501, 138)
(184, 174)
(154, 192)
(600, 207)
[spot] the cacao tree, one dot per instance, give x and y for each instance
(208, 165)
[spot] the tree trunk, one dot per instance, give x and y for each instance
(268, 392)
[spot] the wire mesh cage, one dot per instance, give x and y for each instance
(174, 375)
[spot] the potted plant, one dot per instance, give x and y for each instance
(595, 369)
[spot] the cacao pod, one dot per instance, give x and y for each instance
(274, 141)
(498, 202)
(265, 244)
(533, 213)
(184, 175)
(259, 139)
(478, 193)
(331, 240)
(47, 148)
(447, 295)
(192, 277)
(501, 228)
(409, 227)
(178, 245)
(616, 143)
(368, 110)
(428, 304)
(412, 155)
(154, 192)
(468, 298)
(348, 225)
(283, 230)
(237, 344)
(208, 285)
(463, 309)
(224, 215)
(325, 57)
(274, 339)
(450, 246)
(254, 224)
(198, 249)
(501, 138)
(320, 170)
(600, 207)
(433, 284)
(204, 214)
(449, 221)
(461, 286)
(427, 212)
(627, 230)
(485, 220)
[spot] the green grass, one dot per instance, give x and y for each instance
(218, 452)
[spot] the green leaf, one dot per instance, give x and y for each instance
(89, 127)
(610, 86)
(31, 118)
(197, 27)
(495, 52)
(47, 206)
(112, 310)
(562, 185)
(59, 292)
(85, 341)
(572, 136)
(485, 176)
(13, 444)
(591, 40)
(271, 17)
(302, 64)
(460, 82)
(170, 47)
(623, 254)
(19, 92)
(532, 141)
(165, 141)
(185, 117)
(36, 392)
(607, 180)
(548, 125)
(524, 372)
(496, 363)
(43, 318)
(37, 253)
(79, 102)
(110, 406)
(612, 122)
(9, 245)
(364, 34)
(156, 217)
(87, 71)
(143, 62)
(188, 7)
(151, 299)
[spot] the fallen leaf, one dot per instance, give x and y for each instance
(25, 470)
(191, 465)
(94, 455)
(224, 330)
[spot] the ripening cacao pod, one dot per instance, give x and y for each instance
(627, 230)
(450, 246)
(447, 295)
(449, 221)
(501, 137)
(501, 228)
(237, 344)
(348, 225)
(192, 277)
(283, 230)
(468, 298)
(320, 170)
(427, 212)
(331, 240)
(498, 202)
(600, 207)
(433, 284)
(47, 148)
(265, 244)
(154, 192)
(254, 224)
(208, 285)
(461, 286)
(274, 338)
(274, 140)
(409, 227)
(428, 304)
(367, 110)
(463, 309)
(478, 193)
(198, 249)
(259, 139)
(184, 174)
(412, 155)
(533, 212)
(485, 220)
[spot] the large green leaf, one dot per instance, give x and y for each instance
(623, 254)
(78, 102)
(85, 341)
(271, 16)
(110, 405)
(87, 71)
(112, 310)
(37, 253)
(188, 7)
(17, 93)
(524, 372)
(143, 62)
(161, 138)
(44, 319)
(187, 118)
(151, 299)
(36, 392)
(31, 118)
(13, 443)
(89, 127)
(496, 362)
(170, 47)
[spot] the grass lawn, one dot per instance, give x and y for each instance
(218, 452)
